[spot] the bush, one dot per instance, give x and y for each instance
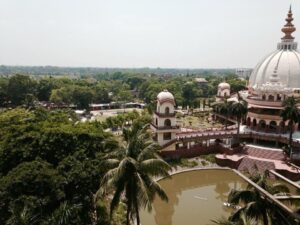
(210, 158)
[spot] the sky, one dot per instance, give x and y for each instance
(142, 33)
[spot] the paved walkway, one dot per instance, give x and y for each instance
(262, 158)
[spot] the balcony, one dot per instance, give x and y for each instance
(163, 115)
(165, 127)
(260, 102)
(259, 116)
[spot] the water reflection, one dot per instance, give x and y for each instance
(195, 198)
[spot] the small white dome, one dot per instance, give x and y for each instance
(164, 96)
(224, 85)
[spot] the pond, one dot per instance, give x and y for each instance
(195, 198)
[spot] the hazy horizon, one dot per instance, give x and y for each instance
(190, 34)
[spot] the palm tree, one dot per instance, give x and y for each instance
(255, 205)
(134, 167)
(239, 109)
(21, 216)
(243, 220)
(224, 108)
(63, 214)
(292, 114)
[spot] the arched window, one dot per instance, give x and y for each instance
(167, 123)
(282, 126)
(254, 123)
(156, 122)
(271, 97)
(167, 110)
(278, 97)
(167, 136)
(262, 124)
(273, 125)
(264, 97)
(248, 121)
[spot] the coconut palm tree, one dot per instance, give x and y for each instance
(239, 110)
(134, 167)
(292, 114)
(257, 206)
(243, 220)
(63, 214)
(224, 108)
(21, 216)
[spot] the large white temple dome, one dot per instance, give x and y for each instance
(282, 66)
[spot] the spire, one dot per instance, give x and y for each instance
(288, 28)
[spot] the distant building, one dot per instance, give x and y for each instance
(201, 81)
(202, 84)
(243, 72)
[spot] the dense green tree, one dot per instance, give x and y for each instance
(190, 93)
(34, 183)
(101, 93)
(19, 86)
(3, 92)
(44, 89)
(47, 158)
(62, 95)
(82, 97)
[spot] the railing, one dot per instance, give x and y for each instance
(165, 127)
(214, 134)
(264, 116)
(165, 114)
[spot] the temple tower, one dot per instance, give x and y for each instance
(164, 120)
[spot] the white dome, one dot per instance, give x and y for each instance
(280, 69)
(224, 85)
(281, 66)
(165, 95)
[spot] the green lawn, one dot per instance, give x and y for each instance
(198, 122)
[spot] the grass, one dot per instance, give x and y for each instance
(197, 122)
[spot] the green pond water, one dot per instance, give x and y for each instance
(195, 198)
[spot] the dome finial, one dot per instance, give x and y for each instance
(288, 28)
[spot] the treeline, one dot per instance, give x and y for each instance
(79, 71)
(118, 87)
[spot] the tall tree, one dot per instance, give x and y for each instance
(239, 109)
(224, 108)
(133, 172)
(290, 113)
